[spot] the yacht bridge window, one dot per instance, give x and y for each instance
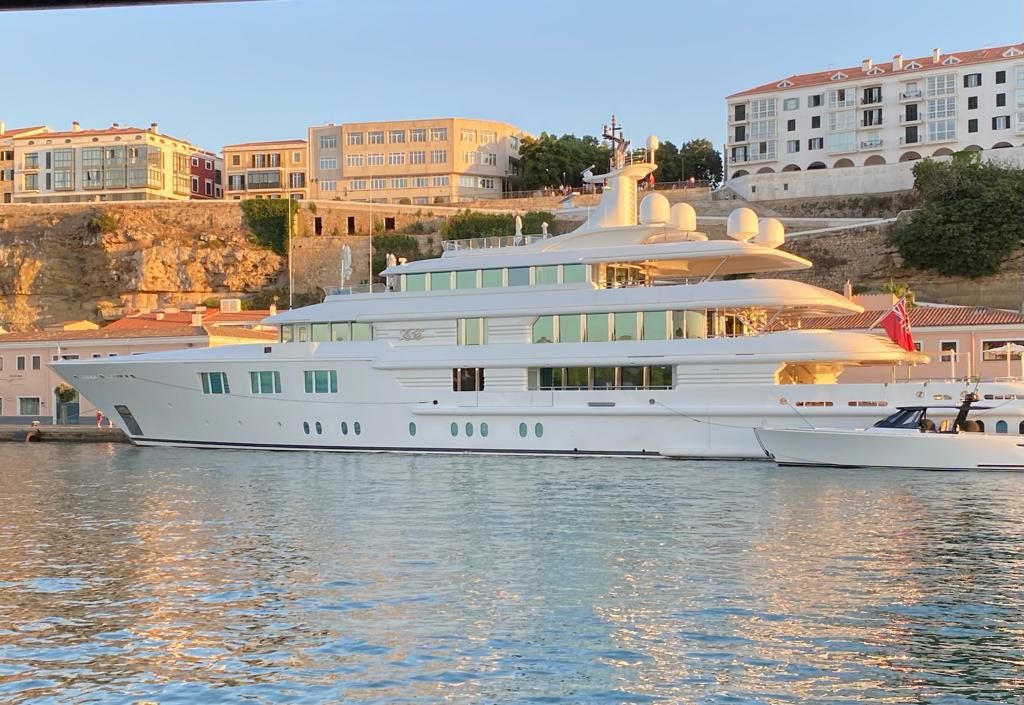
(498, 277)
(327, 332)
(644, 325)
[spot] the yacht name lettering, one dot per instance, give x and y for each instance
(411, 334)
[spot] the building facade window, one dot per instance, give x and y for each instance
(1001, 122)
(972, 80)
(354, 160)
(439, 134)
(355, 138)
(940, 85)
(418, 135)
(490, 159)
(378, 182)
(328, 163)
(438, 156)
(376, 137)
(375, 159)
(328, 141)
(328, 185)
(417, 157)
(396, 136)
(441, 180)
(396, 158)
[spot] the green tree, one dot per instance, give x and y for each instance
(468, 224)
(547, 160)
(702, 161)
(970, 220)
(667, 159)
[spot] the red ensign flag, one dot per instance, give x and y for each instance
(897, 324)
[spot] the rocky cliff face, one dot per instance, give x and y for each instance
(91, 261)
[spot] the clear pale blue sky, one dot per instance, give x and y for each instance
(233, 72)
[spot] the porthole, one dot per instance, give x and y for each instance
(412, 428)
(469, 429)
(319, 429)
(538, 430)
(455, 429)
(483, 429)
(357, 428)
(522, 430)
(305, 427)
(344, 428)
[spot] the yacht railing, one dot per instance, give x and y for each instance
(357, 289)
(487, 243)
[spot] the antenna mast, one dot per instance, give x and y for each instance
(619, 144)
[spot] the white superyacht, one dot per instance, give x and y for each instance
(626, 337)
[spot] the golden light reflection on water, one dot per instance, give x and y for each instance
(371, 579)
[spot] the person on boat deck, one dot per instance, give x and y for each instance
(927, 426)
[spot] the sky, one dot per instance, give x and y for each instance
(222, 73)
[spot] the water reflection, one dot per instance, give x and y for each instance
(131, 575)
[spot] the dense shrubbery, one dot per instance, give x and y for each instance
(970, 220)
(266, 220)
(469, 224)
(398, 245)
(102, 223)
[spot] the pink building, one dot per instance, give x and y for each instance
(28, 385)
(963, 342)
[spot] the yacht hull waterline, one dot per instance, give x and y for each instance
(623, 337)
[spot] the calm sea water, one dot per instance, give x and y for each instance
(170, 576)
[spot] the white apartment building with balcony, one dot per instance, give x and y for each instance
(876, 114)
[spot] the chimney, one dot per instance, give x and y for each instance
(897, 62)
(197, 320)
(936, 56)
(114, 126)
(75, 127)
(865, 65)
(152, 127)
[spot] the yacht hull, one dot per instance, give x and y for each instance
(161, 404)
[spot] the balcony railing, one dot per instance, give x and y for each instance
(871, 101)
(871, 144)
(912, 140)
(733, 119)
(911, 95)
(906, 120)
(871, 123)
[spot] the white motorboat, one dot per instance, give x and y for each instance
(920, 437)
(633, 335)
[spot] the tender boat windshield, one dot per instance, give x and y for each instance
(904, 418)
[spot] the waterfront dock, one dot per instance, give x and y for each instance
(62, 434)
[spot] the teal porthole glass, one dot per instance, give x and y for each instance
(538, 430)
(357, 428)
(412, 428)
(469, 429)
(344, 428)
(319, 429)
(522, 430)
(483, 429)
(305, 427)
(455, 429)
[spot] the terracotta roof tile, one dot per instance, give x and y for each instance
(855, 73)
(15, 131)
(38, 336)
(261, 144)
(923, 317)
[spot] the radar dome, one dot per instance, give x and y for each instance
(742, 224)
(683, 217)
(654, 209)
(652, 145)
(770, 232)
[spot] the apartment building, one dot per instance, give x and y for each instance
(112, 164)
(875, 114)
(443, 160)
(206, 170)
(274, 169)
(7, 136)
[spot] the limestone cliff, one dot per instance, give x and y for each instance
(90, 261)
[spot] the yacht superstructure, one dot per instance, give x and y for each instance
(633, 335)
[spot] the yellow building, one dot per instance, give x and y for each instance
(112, 164)
(266, 170)
(443, 160)
(7, 157)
